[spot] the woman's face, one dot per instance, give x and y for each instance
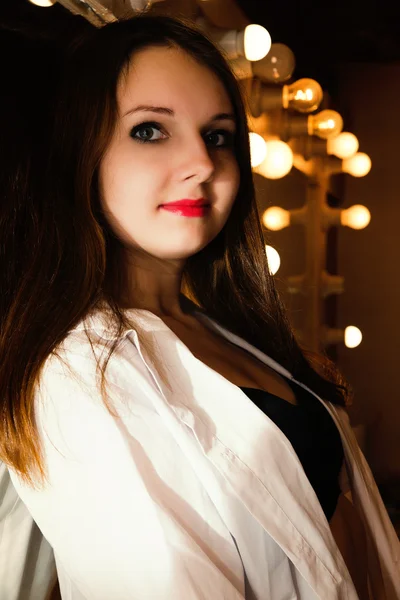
(173, 141)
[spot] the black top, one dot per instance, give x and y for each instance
(313, 435)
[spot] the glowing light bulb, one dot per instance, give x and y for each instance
(356, 217)
(358, 165)
(258, 148)
(276, 218)
(352, 337)
(274, 260)
(325, 124)
(257, 42)
(304, 95)
(344, 145)
(278, 161)
(253, 42)
(43, 3)
(278, 65)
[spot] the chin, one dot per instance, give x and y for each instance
(183, 253)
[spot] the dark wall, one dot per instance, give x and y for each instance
(370, 261)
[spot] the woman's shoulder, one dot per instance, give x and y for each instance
(86, 347)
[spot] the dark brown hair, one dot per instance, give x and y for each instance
(58, 257)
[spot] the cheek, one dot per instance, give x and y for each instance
(121, 178)
(131, 171)
(108, 180)
(127, 189)
(113, 194)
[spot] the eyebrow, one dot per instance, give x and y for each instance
(162, 110)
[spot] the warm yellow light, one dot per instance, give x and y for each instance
(304, 95)
(258, 148)
(278, 65)
(356, 217)
(344, 145)
(257, 42)
(352, 337)
(278, 160)
(326, 124)
(43, 2)
(253, 42)
(276, 218)
(274, 260)
(358, 165)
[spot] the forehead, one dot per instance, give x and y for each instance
(170, 77)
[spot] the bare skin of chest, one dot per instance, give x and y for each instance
(235, 364)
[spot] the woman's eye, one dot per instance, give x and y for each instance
(147, 132)
(220, 138)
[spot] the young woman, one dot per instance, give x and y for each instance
(159, 421)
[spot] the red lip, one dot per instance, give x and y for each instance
(188, 202)
(187, 211)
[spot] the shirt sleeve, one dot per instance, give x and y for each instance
(95, 509)
(27, 566)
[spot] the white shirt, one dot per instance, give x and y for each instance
(190, 491)
(27, 566)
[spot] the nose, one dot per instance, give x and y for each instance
(197, 164)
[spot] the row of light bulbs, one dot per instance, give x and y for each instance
(273, 158)
(357, 216)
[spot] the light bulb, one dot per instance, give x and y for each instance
(358, 165)
(325, 124)
(278, 161)
(304, 95)
(356, 217)
(257, 42)
(274, 260)
(278, 65)
(276, 218)
(43, 3)
(344, 145)
(258, 148)
(253, 42)
(352, 336)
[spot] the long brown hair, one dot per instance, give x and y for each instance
(59, 258)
